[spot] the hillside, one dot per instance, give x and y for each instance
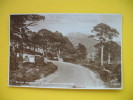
(82, 38)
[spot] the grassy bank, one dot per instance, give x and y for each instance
(29, 72)
(110, 74)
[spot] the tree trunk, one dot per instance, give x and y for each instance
(21, 53)
(102, 55)
(34, 47)
(20, 63)
(21, 49)
(93, 57)
(59, 53)
(37, 48)
(13, 58)
(43, 51)
(109, 58)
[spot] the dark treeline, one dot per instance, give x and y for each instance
(47, 44)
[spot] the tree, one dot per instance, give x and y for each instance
(105, 35)
(110, 35)
(82, 50)
(19, 26)
(115, 52)
(101, 31)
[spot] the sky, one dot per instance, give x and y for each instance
(83, 23)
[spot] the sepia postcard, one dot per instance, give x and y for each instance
(65, 50)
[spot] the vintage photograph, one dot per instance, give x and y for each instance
(65, 50)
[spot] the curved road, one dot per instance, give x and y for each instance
(69, 75)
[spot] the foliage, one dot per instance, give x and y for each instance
(54, 41)
(23, 21)
(115, 52)
(106, 46)
(19, 26)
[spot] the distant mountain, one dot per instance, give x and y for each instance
(82, 38)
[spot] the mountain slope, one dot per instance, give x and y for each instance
(82, 38)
